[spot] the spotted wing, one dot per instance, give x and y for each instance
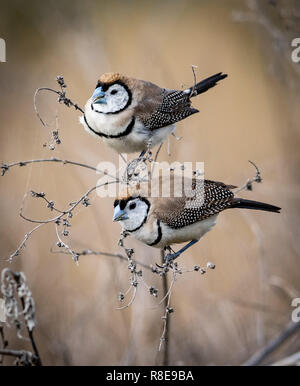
(209, 198)
(174, 107)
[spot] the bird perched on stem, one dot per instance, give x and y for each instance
(132, 115)
(162, 221)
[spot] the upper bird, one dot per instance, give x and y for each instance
(161, 221)
(132, 115)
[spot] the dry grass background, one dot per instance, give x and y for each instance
(220, 318)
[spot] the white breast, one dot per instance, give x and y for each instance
(109, 124)
(114, 124)
(191, 232)
(148, 233)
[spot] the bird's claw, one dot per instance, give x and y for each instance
(170, 257)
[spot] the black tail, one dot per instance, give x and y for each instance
(248, 204)
(206, 84)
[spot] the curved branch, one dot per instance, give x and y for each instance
(258, 357)
(6, 167)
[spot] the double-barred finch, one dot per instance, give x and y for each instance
(162, 221)
(132, 115)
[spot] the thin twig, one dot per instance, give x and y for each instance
(23, 243)
(55, 220)
(25, 358)
(262, 354)
(248, 185)
(67, 211)
(6, 167)
(88, 252)
(14, 353)
(61, 97)
(166, 319)
(195, 80)
(4, 343)
(131, 300)
(66, 246)
(292, 360)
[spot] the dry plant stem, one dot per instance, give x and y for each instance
(131, 300)
(195, 79)
(66, 246)
(22, 291)
(53, 220)
(292, 360)
(32, 341)
(26, 358)
(166, 330)
(4, 344)
(6, 167)
(262, 354)
(88, 252)
(67, 211)
(167, 293)
(62, 98)
(23, 243)
(248, 185)
(38, 361)
(13, 353)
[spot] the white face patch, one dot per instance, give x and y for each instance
(116, 98)
(137, 211)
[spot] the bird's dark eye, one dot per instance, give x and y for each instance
(113, 92)
(132, 206)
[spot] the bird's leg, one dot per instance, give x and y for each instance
(142, 155)
(172, 256)
(168, 248)
(149, 146)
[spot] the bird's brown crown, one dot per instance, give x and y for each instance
(110, 77)
(130, 191)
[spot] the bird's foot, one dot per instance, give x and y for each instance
(141, 156)
(170, 257)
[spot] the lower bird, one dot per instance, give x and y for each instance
(162, 221)
(132, 115)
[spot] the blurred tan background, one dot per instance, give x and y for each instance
(220, 318)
